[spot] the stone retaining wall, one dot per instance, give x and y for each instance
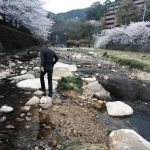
(13, 39)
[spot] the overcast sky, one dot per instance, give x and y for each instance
(57, 6)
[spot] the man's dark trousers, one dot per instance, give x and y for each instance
(49, 70)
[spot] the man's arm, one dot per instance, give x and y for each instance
(56, 58)
(42, 60)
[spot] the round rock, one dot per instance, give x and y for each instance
(127, 139)
(34, 84)
(45, 102)
(6, 109)
(118, 108)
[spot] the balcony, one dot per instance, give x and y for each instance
(110, 8)
(109, 26)
(138, 1)
(139, 5)
(110, 17)
(110, 21)
(110, 12)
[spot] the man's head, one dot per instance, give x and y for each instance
(44, 43)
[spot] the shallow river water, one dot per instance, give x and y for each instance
(23, 137)
(29, 133)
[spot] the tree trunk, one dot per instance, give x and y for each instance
(144, 10)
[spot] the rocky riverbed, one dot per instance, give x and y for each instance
(73, 120)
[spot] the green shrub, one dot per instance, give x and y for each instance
(70, 83)
(105, 54)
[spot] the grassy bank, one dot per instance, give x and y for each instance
(133, 59)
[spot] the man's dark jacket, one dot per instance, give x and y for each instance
(48, 57)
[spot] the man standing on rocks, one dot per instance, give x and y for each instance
(48, 59)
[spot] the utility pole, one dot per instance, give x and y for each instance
(145, 9)
(8, 2)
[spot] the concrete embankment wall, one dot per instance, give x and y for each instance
(12, 39)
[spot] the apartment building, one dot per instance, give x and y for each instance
(110, 16)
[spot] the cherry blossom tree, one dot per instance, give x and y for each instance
(1, 2)
(29, 14)
(138, 30)
(94, 23)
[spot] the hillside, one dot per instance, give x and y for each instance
(77, 13)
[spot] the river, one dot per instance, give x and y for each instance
(37, 132)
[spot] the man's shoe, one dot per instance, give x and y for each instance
(44, 94)
(49, 95)
(44, 91)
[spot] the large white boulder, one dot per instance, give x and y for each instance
(23, 72)
(58, 73)
(126, 139)
(38, 93)
(21, 77)
(45, 102)
(94, 87)
(118, 108)
(89, 80)
(87, 146)
(72, 67)
(33, 101)
(60, 70)
(6, 109)
(34, 84)
(25, 109)
(102, 95)
(63, 70)
(4, 74)
(37, 69)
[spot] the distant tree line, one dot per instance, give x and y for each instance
(96, 11)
